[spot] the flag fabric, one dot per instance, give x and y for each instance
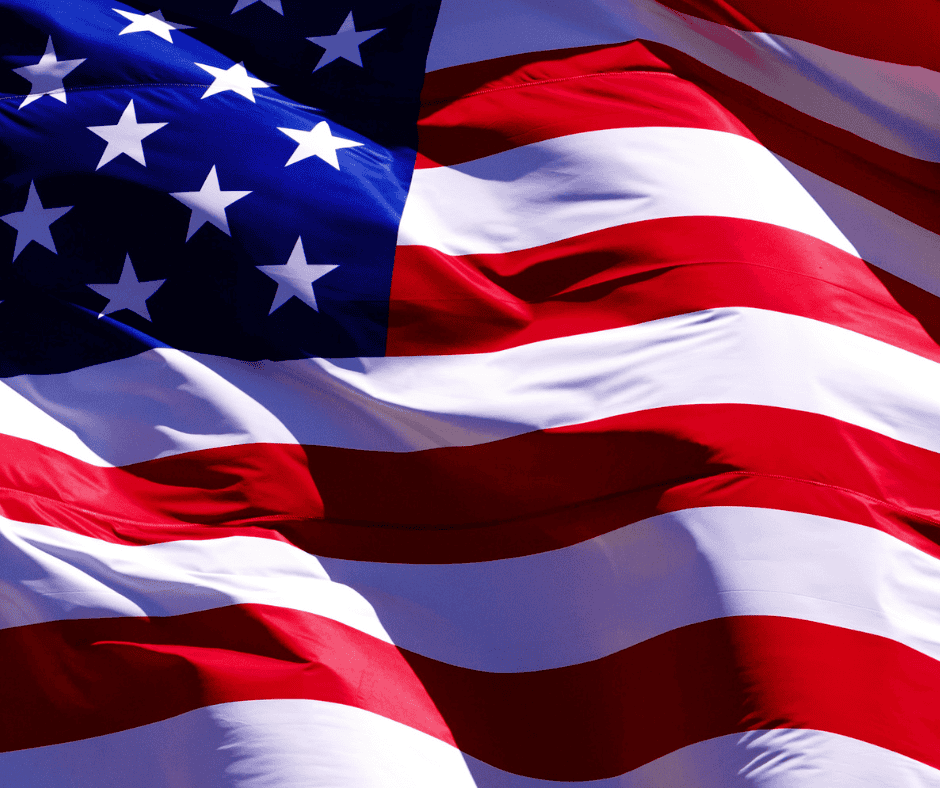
(496, 393)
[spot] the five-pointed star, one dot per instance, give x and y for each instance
(208, 204)
(317, 142)
(45, 77)
(150, 23)
(344, 43)
(129, 292)
(275, 4)
(234, 78)
(296, 278)
(125, 137)
(32, 223)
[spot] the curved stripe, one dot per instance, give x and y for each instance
(69, 680)
(758, 759)
(880, 237)
(558, 188)
(165, 402)
(900, 111)
(894, 106)
(72, 679)
(481, 109)
(640, 272)
(904, 185)
(452, 505)
(693, 684)
(858, 27)
(302, 743)
(596, 598)
(559, 608)
(252, 744)
(633, 457)
(49, 574)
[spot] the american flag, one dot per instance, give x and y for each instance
(496, 393)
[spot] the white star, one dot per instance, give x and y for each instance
(129, 292)
(343, 43)
(234, 78)
(317, 142)
(274, 4)
(32, 223)
(45, 77)
(296, 278)
(150, 23)
(208, 204)
(125, 137)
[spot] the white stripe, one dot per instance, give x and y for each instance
(567, 186)
(250, 744)
(48, 574)
(881, 237)
(306, 743)
(164, 401)
(596, 598)
(558, 608)
(159, 403)
(892, 105)
(778, 758)
(21, 417)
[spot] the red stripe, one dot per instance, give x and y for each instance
(482, 109)
(522, 536)
(440, 505)
(75, 679)
(577, 90)
(644, 271)
(603, 718)
(902, 184)
(909, 34)
(70, 680)
(457, 82)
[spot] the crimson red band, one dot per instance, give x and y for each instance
(441, 304)
(904, 185)
(69, 680)
(451, 504)
(75, 679)
(522, 99)
(866, 28)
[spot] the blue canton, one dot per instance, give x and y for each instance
(222, 177)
